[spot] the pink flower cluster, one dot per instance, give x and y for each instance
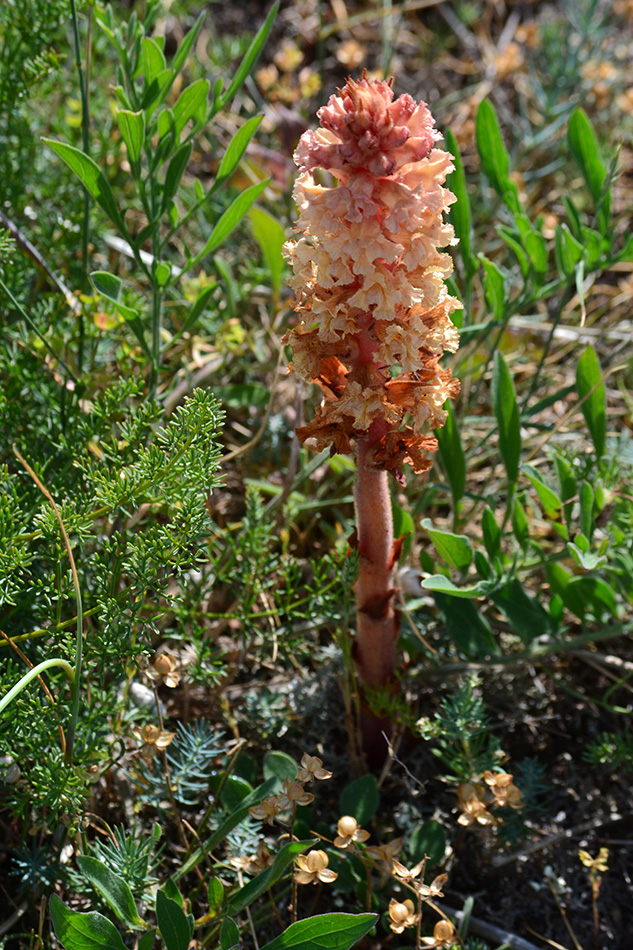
(369, 279)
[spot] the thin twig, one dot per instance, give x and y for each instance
(74, 689)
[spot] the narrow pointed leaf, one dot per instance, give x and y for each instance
(236, 148)
(91, 177)
(154, 61)
(460, 210)
(189, 103)
(175, 171)
(250, 58)
(452, 452)
(230, 219)
(132, 126)
(493, 155)
(185, 47)
(113, 889)
(591, 390)
(270, 236)
(507, 414)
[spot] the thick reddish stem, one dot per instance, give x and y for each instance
(377, 628)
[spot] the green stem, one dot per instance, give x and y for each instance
(35, 330)
(85, 136)
(31, 675)
(76, 679)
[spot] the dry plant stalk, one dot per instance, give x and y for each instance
(374, 319)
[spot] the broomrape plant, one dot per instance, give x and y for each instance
(374, 321)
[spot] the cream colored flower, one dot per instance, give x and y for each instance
(312, 767)
(470, 799)
(434, 889)
(349, 832)
(163, 670)
(257, 862)
(385, 853)
(506, 793)
(152, 739)
(405, 874)
(443, 936)
(293, 794)
(402, 915)
(267, 811)
(313, 867)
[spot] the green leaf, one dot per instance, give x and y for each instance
(559, 582)
(584, 147)
(525, 613)
(437, 582)
(459, 215)
(428, 839)
(236, 148)
(586, 559)
(229, 934)
(215, 892)
(586, 509)
(91, 177)
(598, 596)
(191, 104)
(175, 171)
(197, 309)
(550, 501)
(147, 941)
(567, 250)
(234, 789)
(154, 61)
(520, 526)
(185, 47)
(493, 155)
(567, 486)
(536, 247)
(230, 219)
(360, 799)
(494, 287)
(591, 391)
(77, 931)
(280, 766)
(251, 891)
(250, 58)
(132, 125)
(173, 923)
(113, 889)
(456, 549)
(270, 236)
(466, 627)
(109, 286)
(507, 414)
(172, 892)
(491, 533)
(324, 932)
(452, 452)
(510, 237)
(403, 527)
